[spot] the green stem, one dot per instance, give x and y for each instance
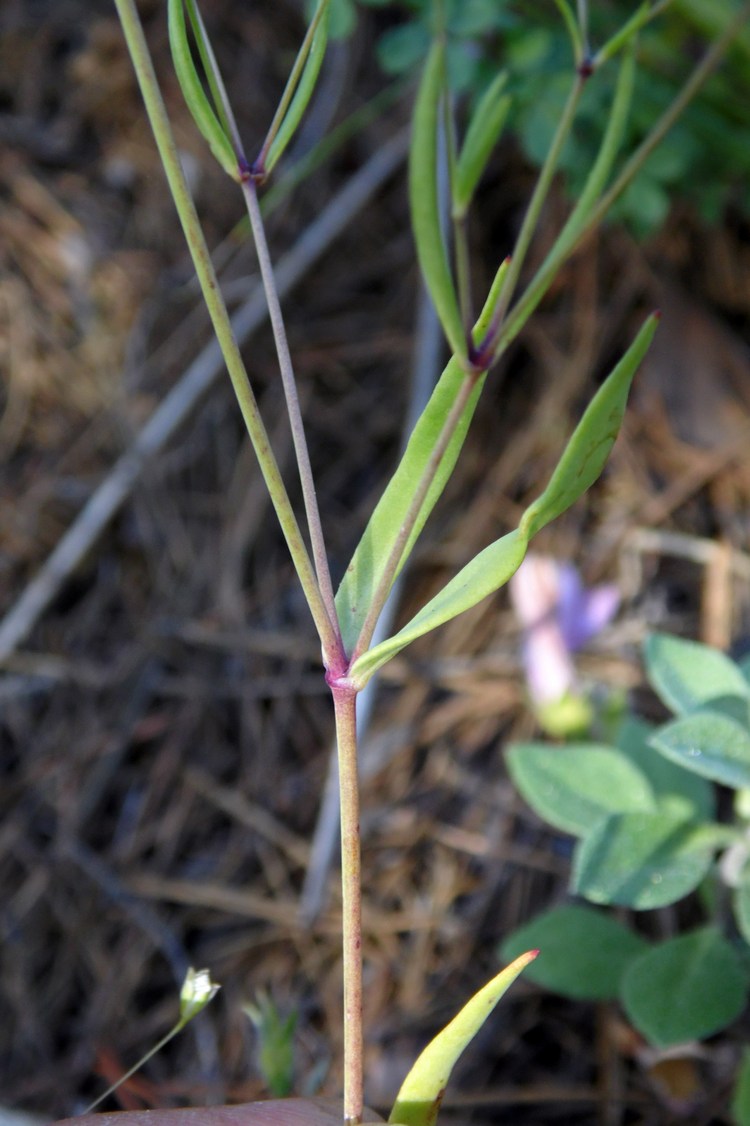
(159, 120)
(137, 1066)
(289, 384)
(345, 706)
(549, 270)
(531, 218)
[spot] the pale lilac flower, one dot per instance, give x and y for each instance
(558, 616)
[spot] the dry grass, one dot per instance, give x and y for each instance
(165, 731)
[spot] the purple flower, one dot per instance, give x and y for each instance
(559, 615)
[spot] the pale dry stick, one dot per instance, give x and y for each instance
(183, 399)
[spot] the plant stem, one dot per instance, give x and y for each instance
(160, 125)
(345, 706)
(531, 218)
(539, 285)
(315, 527)
(412, 513)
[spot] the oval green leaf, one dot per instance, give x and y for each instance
(709, 744)
(425, 203)
(686, 675)
(583, 953)
(421, 1092)
(574, 786)
(673, 787)
(641, 860)
(685, 989)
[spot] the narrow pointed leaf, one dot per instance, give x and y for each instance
(194, 94)
(305, 87)
(709, 744)
(362, 576)
(588, 449)
(482, 136)
(482, 576)
(580, 465)
(687, 675)
(419, 1099)
(685, 989)
(425, 204)
(210, 66)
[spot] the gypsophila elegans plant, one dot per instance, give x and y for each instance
(345, 620)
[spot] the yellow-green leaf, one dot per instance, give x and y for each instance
(421, 1092)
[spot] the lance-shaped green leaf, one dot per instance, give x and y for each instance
(362, 576)
(580, 465)
(301, 85)
(687, 675)
(710, 744)
(592, 440)
(481, 137)
(422, 1091)
(192, 89)
(425, 204)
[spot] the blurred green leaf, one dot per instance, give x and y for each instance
(402, 48)
(422, 1091)
(583, 953)
(573, 786)
(687, 675)
(685, 989)
(672, 786)
(709, 744)
(275, 1043)
(642, 860)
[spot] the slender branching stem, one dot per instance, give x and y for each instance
(541, 282)
(345, 706)
(209, 284)
(393, 562)
(536, 203)
(315, 527)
